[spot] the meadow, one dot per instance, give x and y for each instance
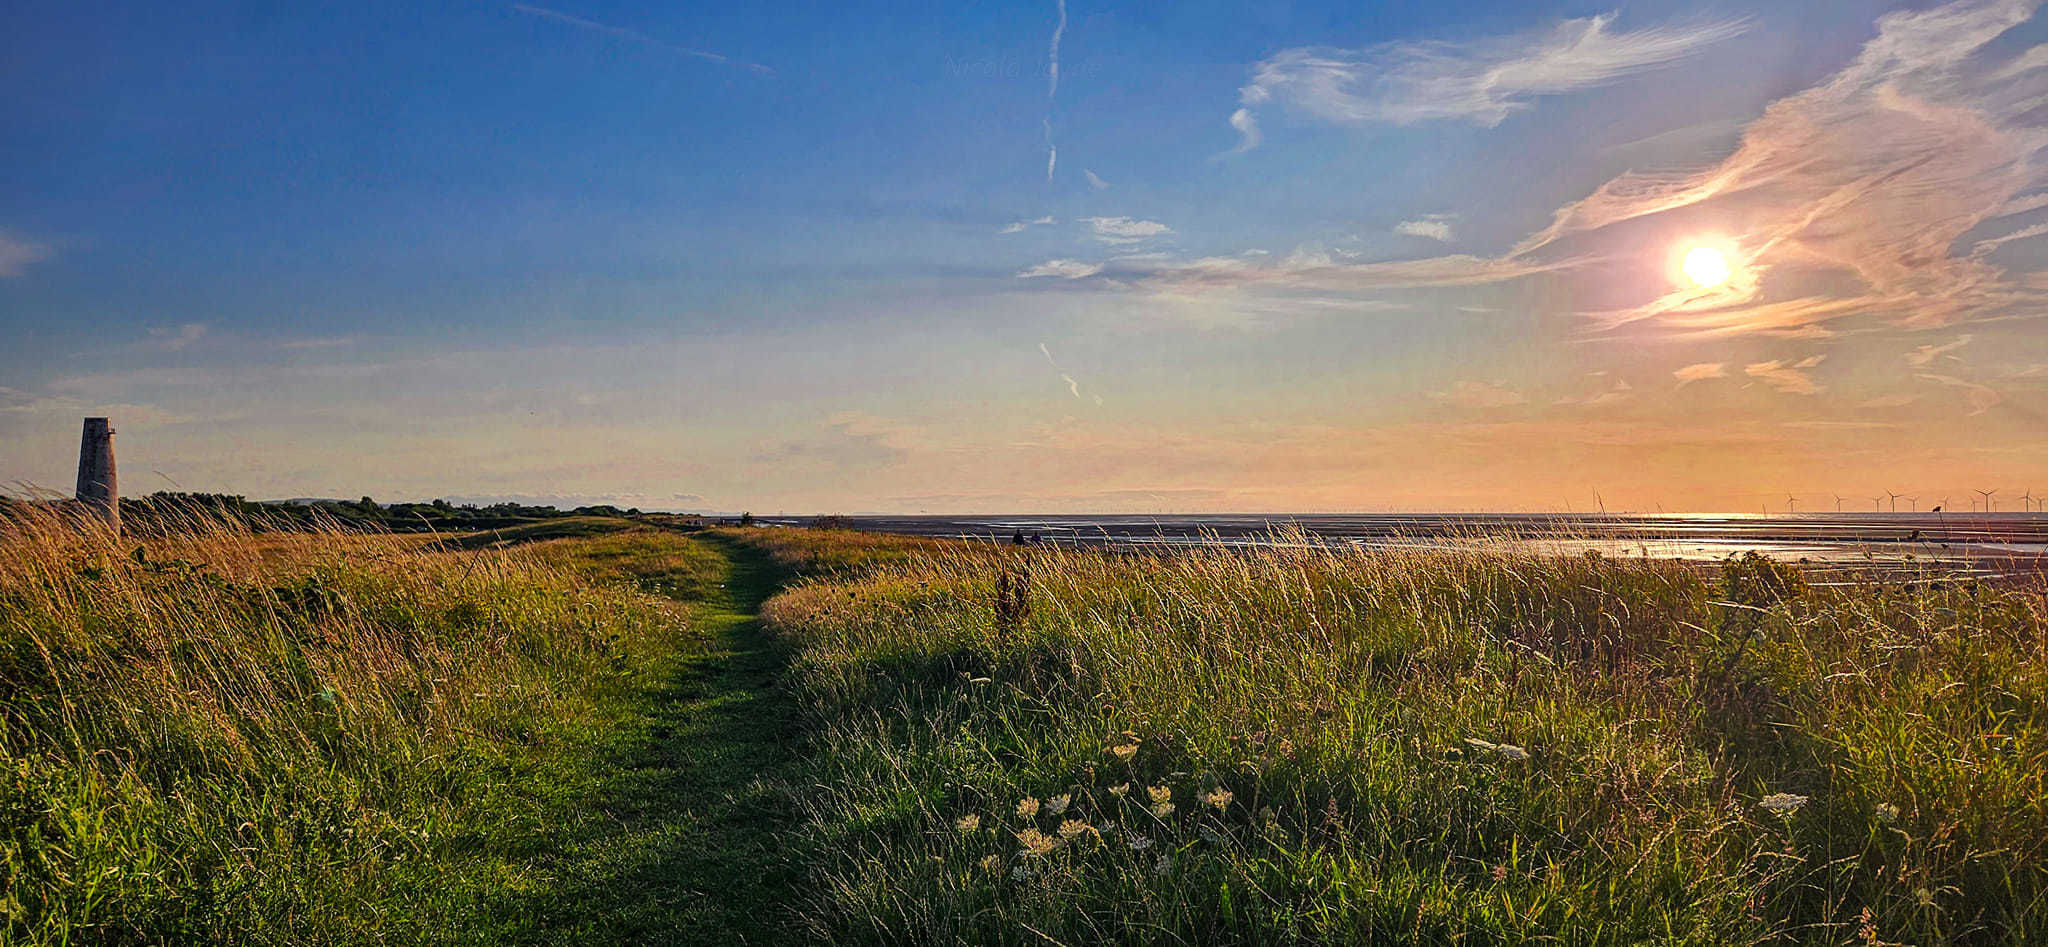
(1302, 745)
(600, 731)
(210, 734)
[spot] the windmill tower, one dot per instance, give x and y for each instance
(97, 487)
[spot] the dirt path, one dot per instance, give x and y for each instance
(697, 844)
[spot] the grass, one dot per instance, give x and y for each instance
(626, 734)
(211, 736)
(1306, 745)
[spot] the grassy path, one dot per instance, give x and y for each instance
(691, 842)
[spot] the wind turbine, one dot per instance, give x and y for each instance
(1877, 504)
(1791, 503)
(1838, 503)
(1912, 504)
(1986, 494)
(1895, 500)
(2027, 501)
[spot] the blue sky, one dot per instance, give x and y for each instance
(1265, 256)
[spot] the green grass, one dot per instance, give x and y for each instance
(1301, 745)
(599, 738)
(233, 738)
(684, 831)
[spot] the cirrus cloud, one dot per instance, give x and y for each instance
(1481, 82)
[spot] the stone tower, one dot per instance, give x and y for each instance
(97, 487)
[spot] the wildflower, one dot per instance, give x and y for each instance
(1886, 812)
(1783, 803)
(1028, 809)
(1163, 865)
(1058, 804)
(1505, 750)
(1072, 829)
(1021, 873)
(1124, 751)
(1285, 747)
(1140, 843)
(967, 823)
(1162, 801)
(1500, 873)
(991, 863)
(1218, 798)
(1210, 834)
(1120, 789)
(1036, 842)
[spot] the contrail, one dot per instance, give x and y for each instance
(1052, 90)
(638, 37)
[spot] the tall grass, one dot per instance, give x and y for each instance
(207, 734)
(1302, 744)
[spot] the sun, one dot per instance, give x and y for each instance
(1707, 267)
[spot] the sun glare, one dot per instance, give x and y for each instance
(1707, 267)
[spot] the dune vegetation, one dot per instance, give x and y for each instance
(213, 735)
(1302, 745)
(583, 734)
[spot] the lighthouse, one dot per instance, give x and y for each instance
(97, 486)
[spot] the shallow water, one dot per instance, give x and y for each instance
(1845, 544)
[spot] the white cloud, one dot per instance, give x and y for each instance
(1435, 227)
(17, 254)
(2024, 233)
(1064, 269)
(1480, 82)
(1125, 229)
(1094, 180)
(1248, 136)
(1019, 226)
(1052, 89)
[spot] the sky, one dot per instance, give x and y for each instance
(1058, 257)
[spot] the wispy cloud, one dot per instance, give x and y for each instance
(1435, 227)
(1019, 226)
(1791, 378)
(18, 253)
(1978, 397)
(1700, 371)
(1125, 230)
(1871, 176)
(1094, 180)
(1303, 271)
(1926, 354)
(1052, 89)
(1063, 269)
(635, 36)
(1481, 82)
(1073, 386)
